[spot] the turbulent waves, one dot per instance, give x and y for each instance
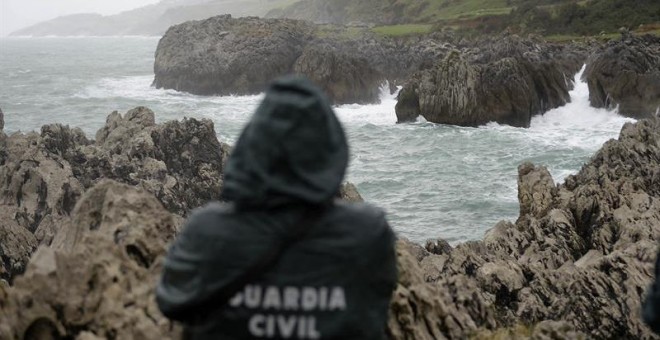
(433, 180)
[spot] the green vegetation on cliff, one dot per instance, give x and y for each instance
(559, 18)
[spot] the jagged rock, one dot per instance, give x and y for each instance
(16, 245)
(101, 285)
(223, 55)
(535, 190)
(506, 81)
(2, 120)
(179, 162)
(625, 73)
(349, 193)
(581, 253)
(43, 175)
(36, 182)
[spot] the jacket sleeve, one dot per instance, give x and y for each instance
(183, 285)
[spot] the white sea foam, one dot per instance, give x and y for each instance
(376, 114)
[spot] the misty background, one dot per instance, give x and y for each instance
(17, 14)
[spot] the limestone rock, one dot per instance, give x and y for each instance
(506, 81)
(223, 55)
(103, 285)
(581, 253)
(344, 78)
(16, 245)
(625, 73)
(348, 192)
(217, 56)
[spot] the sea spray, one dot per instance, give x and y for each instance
(433, 180)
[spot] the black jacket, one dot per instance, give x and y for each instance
(333, 283)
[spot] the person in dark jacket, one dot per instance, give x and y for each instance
(330, 266)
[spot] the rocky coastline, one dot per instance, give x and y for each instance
(505, 79)
(85, 224)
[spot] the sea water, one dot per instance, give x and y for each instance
(433, 180)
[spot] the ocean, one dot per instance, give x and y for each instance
(434, 181)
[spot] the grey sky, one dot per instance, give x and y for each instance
(16, 14)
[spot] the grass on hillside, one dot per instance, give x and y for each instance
(402, 30)
(562, 38)
(447, 10)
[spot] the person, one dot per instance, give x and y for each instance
(280, 258)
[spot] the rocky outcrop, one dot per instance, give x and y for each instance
(580, 253)
(222, 55)
(99, 284)
(575, 264)
(506, 81)
(217, 56)
(43, 175)
(625, 73)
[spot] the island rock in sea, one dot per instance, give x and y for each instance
(575, 264)
(625, 73)
(506, 80)
(224, 55)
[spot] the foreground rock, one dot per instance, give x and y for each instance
(99, 283)
(43, 175)
(224, 55)
(581, 253)
(505, 81)
(575, 264)
(625, 73)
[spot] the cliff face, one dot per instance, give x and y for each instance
(625, 73)
(508, 81)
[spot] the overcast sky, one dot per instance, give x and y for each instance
(16, 14)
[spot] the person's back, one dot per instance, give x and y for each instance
(336, 269)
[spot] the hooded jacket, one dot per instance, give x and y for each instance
(335, 282)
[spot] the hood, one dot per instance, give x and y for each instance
(292, 150)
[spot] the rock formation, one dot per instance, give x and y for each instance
(506, 81)
(224, 55)
(43, 175)
(99, 283)
(575, 264)
(581, 252)
(625, 73)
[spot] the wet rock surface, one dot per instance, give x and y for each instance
(100, 285)
(575, 264)
(625, 73)
(217, 56)
(580, 253)
(43, 175)
(507, 80)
